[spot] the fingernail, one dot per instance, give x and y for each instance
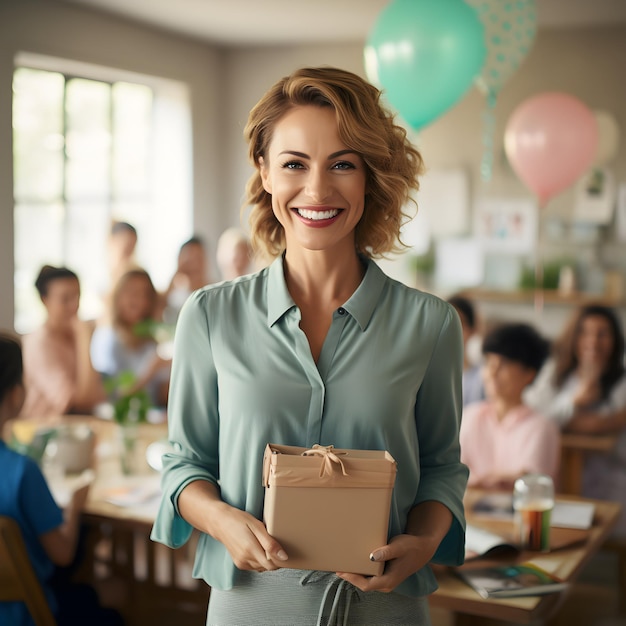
(282, 555)
(375, 556)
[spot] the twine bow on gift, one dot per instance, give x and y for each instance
(328, 459)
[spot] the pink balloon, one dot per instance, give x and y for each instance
(550, 141)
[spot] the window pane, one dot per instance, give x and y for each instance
(88, 110)
(38, 241)
(132, 110)
(38, 134)
(87, 229)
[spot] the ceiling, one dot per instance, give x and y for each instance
(273, 22)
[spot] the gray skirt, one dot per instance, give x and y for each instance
(288, 597)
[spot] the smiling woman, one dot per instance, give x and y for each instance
(320, 347)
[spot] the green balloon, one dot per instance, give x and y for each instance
(424, 54)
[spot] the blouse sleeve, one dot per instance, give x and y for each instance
(192, 419)
(543, 450)
(438, 415)
(617, 397)
(546, 399)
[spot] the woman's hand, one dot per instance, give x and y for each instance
(403, 555)
(244, 536)
(427, 525)
(248, 542)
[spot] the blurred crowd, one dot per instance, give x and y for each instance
(80, 366)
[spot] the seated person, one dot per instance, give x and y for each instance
(502, 438)
(234, 254)
(121, 247)
(583, 389)
(58, 372)
(50, 534)
(192, 272)
(472, 379)
(127, 345)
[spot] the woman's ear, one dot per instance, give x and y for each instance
(265, 177)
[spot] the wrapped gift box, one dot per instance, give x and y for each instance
(328, 507)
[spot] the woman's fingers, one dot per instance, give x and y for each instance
(250, 545)
(273, 550)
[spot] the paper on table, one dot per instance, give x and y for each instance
(62, 488)
(566, 514)
(480, 542)
(131, 495)
(572, 515)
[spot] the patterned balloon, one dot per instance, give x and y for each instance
(510, 28)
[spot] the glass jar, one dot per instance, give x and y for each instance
(533, 501)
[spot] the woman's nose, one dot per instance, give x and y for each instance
(318, 185)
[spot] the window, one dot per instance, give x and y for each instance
(89, 151)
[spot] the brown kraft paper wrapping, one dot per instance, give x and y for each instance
(328, 507)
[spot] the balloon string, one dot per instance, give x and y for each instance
(539, 291)
(489, 123)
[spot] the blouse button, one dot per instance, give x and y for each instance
(341, 311)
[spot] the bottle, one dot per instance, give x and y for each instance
(533, 501)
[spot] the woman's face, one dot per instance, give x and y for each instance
(62, 300)
(317, 184)
(134, 301)
(505, 379)
(122, 246)
(594, 343)
(192, 259)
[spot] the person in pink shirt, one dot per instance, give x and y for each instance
(58, 373)
(502, 438)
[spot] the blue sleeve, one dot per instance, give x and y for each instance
(193, 420)
(443, 478)
(37, 505)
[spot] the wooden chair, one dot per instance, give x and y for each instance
(18, 581)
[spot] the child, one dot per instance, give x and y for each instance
(50, 534)
(502, 438)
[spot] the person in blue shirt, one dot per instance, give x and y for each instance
(319, 347)
(51, 534)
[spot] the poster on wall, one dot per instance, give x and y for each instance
(595, 197)
(506, 225)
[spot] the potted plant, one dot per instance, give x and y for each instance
(130, 409)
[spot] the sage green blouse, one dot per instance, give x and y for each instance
(388, 378)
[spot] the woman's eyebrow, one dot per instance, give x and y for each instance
(303, 155)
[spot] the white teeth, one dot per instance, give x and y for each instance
(317, 215)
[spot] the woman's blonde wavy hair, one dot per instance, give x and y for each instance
(365, 126)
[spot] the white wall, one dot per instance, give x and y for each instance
(225, 83)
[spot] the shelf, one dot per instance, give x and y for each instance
(550, 296)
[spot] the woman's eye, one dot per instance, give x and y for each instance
(292, 165)
(344, 165)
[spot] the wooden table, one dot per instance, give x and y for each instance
(148, 582)
(567, 563)
(574, 448)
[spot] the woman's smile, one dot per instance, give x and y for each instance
(317, 216)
